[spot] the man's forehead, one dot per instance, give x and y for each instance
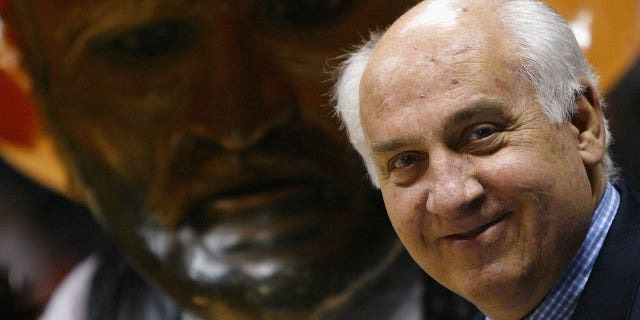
(433, 32)
(426, 64)
(430, 59)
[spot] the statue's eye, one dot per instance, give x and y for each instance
(152, 40)
(304, 13)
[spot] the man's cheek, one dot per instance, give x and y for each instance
(509, 165)
(403, 216)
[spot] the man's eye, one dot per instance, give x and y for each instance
(481, 132)
(404, 161)
(151, 41)
(305, 13)
(406, 167)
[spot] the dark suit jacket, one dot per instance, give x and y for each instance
(612, 290)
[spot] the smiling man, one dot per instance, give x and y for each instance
(481, 123)
(199, 134)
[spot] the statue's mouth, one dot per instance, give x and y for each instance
(264, 217)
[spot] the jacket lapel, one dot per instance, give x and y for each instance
(613, 284)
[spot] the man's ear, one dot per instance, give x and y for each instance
(588, 120)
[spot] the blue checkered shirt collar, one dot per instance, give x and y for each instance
(563, 298)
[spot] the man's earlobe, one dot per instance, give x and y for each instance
(589, 121)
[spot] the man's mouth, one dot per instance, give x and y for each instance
(475, 232)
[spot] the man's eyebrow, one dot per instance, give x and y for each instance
(487, 108)
(391, 145)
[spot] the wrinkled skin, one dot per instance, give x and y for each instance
(489, 197)
(199, 134)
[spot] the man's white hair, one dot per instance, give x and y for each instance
(547, 53)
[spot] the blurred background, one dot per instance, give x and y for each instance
(624, 114)
(42, 236)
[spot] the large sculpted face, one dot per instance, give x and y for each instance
(201, 137)
(489, 197)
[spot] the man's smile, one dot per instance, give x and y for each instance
(477, 229)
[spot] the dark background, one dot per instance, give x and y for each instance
(624, 120)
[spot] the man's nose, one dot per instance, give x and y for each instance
(241, 92)
(453, 188)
